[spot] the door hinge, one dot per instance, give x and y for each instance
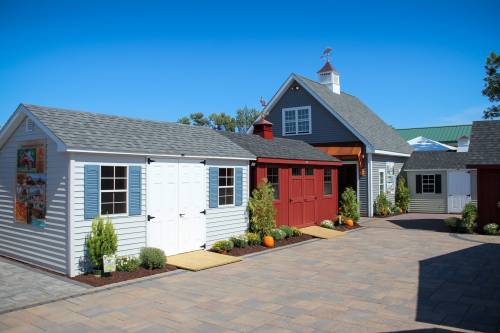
(204, 212)
(204, 246)
(204, 162)
(150, 217)
(150, 160)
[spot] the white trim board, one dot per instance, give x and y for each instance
(71, 150)
(296, 108)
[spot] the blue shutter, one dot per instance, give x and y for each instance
(91, 195)
(213, 187)
(134, 190)
(238, 187)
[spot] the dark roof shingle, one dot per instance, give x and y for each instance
(436, 160)
(484, 148)
(278, 148)
(107, 133)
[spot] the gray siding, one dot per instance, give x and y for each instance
(363, 192)
(380, 162)
(45, 247)
(131, 230)
(225, 222)
(427, 202)
(325, 127)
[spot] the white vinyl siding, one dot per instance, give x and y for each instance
(226, 221)
(427, 202)
(380, 162)
(45, 247)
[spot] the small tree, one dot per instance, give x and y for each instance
(402, 195)
(382, 205)
(245, 117)
(262, 211)
(101, 241)
(349, 206)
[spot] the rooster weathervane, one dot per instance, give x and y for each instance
(326, 54)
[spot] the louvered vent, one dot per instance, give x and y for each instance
(29, 125)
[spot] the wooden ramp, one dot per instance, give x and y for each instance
(199, 260)
(321, 232)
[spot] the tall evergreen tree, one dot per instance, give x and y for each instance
(492, 85)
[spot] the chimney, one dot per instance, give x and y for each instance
(263, 128)
(329, 76)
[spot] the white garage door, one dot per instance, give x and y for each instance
(459, 190)
(175, 204)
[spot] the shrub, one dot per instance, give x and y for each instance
(452, 223)
(349, 204)
(262, 211)
(469, 217)
(127, 264)
(296, 232)
(152, 257)
(382, 205)
(253, 239)
(222, 246)
(287, 230)
(277, 234)
(491, 229)
(101, 241)
(327, 224)
(240, 241)
(402, 195)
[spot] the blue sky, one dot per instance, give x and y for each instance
(415, 63)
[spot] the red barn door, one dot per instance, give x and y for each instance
(302, 197)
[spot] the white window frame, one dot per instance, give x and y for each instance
(384, 183)
(433, 183)
(231, 186)
(296, 109)
(108, 191)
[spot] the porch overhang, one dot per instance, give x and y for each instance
(347, 153)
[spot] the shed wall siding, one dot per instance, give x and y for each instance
(363, 193)
(131, 230)
(427, 202)
(325, 127)
(45, 247)
(224, 222)
(380, 162)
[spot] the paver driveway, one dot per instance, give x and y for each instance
(381, 278)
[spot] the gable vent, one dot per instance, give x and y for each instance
(29, 125)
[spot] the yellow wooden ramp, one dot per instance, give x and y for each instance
(321, 232)
(199, 260)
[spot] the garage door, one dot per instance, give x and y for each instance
(176, 204)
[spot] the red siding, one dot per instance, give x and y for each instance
(301, 201)
(488, 195)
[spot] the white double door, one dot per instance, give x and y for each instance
(459, 190)
(175, 204)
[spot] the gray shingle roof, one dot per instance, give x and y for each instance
(378, 134)
(107, 133)
(436, 160)
(484, 148)
(278, 148)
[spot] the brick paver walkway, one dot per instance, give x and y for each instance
(378, 279)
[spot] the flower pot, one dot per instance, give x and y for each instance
(268, 241)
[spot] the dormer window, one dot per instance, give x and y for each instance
(297, 121)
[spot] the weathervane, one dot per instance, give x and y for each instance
(326, 54)
(262, 102)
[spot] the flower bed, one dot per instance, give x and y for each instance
(115, 277)
(240, 251)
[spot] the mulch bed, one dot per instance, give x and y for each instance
(258, 248)
(344, 227)
(115, 277)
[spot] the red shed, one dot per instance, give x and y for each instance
(304, 178)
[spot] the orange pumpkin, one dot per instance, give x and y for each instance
(349, 222)
(268, 241)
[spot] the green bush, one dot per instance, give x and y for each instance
(349, 206)
(253, 238)
(469, 217)
(491, 229)
(127, 264)
(327, 224)
(402, 195)
(262, 210)
(240, 241)
(277, 234)
(452, 223)
(296, 232)
(152, 258)
(382, 205)
(101, 241)
(222, 246)
(287, 230)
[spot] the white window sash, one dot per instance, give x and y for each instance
(295, 111)
(125, 190)
(226, 187)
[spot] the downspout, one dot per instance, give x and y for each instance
(370, 185)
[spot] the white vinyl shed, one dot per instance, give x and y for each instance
(172, 186)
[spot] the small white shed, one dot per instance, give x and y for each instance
(172, 186)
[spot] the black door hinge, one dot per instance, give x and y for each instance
(204, 162)
(150, 217)
(204, 246)
(204, 212)
(150, 160)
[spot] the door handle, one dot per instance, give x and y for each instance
(150, 217)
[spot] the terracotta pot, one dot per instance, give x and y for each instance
(349, 222)
(268, 241)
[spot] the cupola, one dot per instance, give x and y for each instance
(328, 75)
(263, 128)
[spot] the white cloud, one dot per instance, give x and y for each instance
(466, 116)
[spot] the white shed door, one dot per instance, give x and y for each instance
(459, 190)
(175, 191)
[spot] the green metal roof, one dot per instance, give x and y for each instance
(438, 133)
